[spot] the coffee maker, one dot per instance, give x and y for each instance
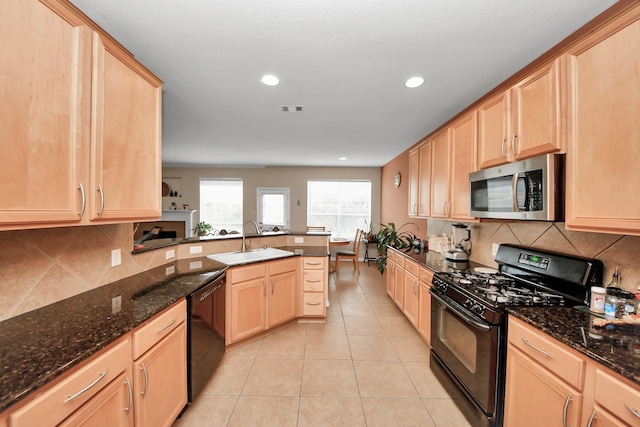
(462, 243)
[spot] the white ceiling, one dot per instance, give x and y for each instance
(345, 61)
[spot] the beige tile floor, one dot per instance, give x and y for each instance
(366, 366)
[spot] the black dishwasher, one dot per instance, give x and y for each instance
(205, 333)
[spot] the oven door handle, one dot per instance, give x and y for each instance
(464, 316)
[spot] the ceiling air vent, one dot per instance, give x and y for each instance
(292, 108)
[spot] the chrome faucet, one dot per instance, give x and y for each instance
(244, 246)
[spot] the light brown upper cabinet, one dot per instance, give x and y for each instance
(453, 158)
(46, 79)
(603, 156)
(126, 137)
(420, 181)
(522, 122)
(81, 126)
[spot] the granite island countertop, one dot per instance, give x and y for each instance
(39, 346)
(616, 348)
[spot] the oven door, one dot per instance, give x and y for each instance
(468, 348)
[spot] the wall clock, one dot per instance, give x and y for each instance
(396, 180)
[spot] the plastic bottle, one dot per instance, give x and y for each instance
(598, 295)
(613, 304)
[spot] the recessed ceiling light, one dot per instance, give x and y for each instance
(270, 80)
(342, 158)
(414, 82)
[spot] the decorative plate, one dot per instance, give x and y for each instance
(396, 180)
(165, 189)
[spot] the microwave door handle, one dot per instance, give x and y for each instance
(514, 192)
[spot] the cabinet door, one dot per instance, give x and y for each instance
(463, 162)
(398, 285)
(411, 289)
(534, 397)
(440, 175)
(604, 154)
(493, 131)
(424, 183)
(282, 298)
(126, 178)
(248, 309)
(45, 110)
(535, 111)
(112, 406)
(161, 381)
(414, 180)
(391, 267)
(424, 313)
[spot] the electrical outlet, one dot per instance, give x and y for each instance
(494, 248)
(298, 240)
(170, 270)
(195, 264)
(116, 304)
(195, 249)
(171, 253)
(116, 257)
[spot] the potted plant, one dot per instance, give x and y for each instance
(369, 234)
(203, 228)
(390, 236)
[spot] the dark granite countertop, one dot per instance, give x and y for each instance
(437, 262)
(38, 346)
(617, 348)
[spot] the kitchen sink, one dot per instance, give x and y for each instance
(254, 255)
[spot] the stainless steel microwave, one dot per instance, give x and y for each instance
(530, 189)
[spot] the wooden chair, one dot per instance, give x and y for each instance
(315, 228)
(350, 254)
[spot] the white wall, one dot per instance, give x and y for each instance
(187, 181)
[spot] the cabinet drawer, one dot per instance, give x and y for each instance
(313, 281)
(158, 327)
(411, 267)
(617, 397)
(425, 276)
(57, 403)
(313, 304)
(314, 263)
(546, 351)
(242, 274)
(283, 266)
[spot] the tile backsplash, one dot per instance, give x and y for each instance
(40, 267)
(611, 249)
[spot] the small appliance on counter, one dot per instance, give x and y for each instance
(462, 242)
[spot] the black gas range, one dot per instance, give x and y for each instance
(468, 317)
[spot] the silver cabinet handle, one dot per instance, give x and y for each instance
(314, 281)
(146, 379)
(313, 303)
(273, 285)
(167, 326)
(128, 383)
(546, 353)
(73, 396)
(313, 263)
(84, 199)
(564, 411)
(502, 148)
(264, 288)
(513, 144)
(591, 418)
(633, 411)
(101, 200)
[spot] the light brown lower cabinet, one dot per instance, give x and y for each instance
(140, 380)
(411, 292)
(161, 381)
(550, 384)
(314, 278)
(424, 304)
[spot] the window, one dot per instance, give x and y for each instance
(221, 203)
(273, 208)
(341, 206)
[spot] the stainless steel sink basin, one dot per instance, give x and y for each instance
(255, 255)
